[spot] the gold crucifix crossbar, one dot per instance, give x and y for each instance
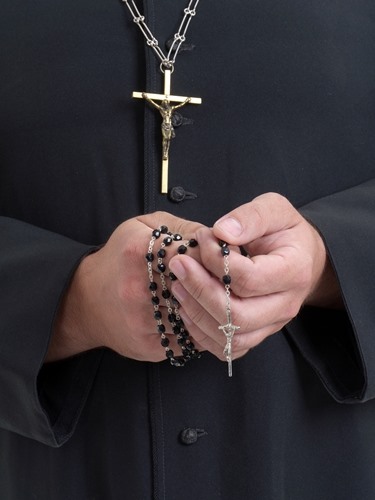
(166, 110)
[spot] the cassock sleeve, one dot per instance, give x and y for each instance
(340, 345)
(35, 268)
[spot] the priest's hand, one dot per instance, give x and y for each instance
(108, 303)
(287, 267)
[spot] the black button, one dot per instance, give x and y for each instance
(177, 119)
(190, 436)
(178, 194)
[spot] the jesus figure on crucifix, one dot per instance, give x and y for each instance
(166, 110)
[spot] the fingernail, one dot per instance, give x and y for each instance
(177, 269)
(230, 225)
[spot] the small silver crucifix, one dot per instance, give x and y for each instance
(229, 330)
(166, 110)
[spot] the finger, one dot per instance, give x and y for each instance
(266, 214)
(203, 296)
(195, 315)
(241, 342)
(245, 341)
(257, 317)
(202, 340)
(213, 344)
(202, 289)
(260, 275)
(157, 334)
(164, 247)
(257, 313)
(175, 224)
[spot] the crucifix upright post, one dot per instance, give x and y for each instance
(166, 109)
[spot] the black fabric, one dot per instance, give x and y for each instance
(348, 230)
(288, 106)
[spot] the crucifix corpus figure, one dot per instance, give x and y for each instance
(166, 109)
(229, 330)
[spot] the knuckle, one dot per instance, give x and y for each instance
(240, 342)
(131, 291)
(258, 215)
(291, 309)
(197, 290)
(245, 285)
(132, 254)
(197, 315)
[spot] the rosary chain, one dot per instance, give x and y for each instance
(227, 285)
(229, 328)
(188, 349)
(167, 61)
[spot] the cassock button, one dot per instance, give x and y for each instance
(177, 119)
(190, 436)
(178, 194)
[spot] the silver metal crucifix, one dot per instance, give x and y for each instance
(166, 110)
(229, 330)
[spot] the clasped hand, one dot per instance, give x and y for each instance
(108, 303)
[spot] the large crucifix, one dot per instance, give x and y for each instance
(166, 110)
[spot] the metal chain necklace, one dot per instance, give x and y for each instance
(165, 108)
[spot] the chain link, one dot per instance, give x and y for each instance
(227, 286)
(167, 60)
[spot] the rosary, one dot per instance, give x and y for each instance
(187, 346)
(165, 108)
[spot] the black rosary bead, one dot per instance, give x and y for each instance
(177, 237)
(172, 318)
(149, 257)
(161, 253)
(163, 229)
(161, 267)
(177, 361)
(182, 249)
(223, 243)
(156, 233)
(179, 323)
(172, 276)
(167, 241)
(161, 328)
(193, 243)
(157, 315)
(176, 329)
(164, 342)
(153, 286)
(175, 302)
(169, 353)
(166, 294)
(227, 279)
(155, 301)
(225, 251)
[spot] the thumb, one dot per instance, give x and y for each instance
(266, 214)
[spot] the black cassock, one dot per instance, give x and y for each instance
(288, 93)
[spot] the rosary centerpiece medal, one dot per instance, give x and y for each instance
(165, 103)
